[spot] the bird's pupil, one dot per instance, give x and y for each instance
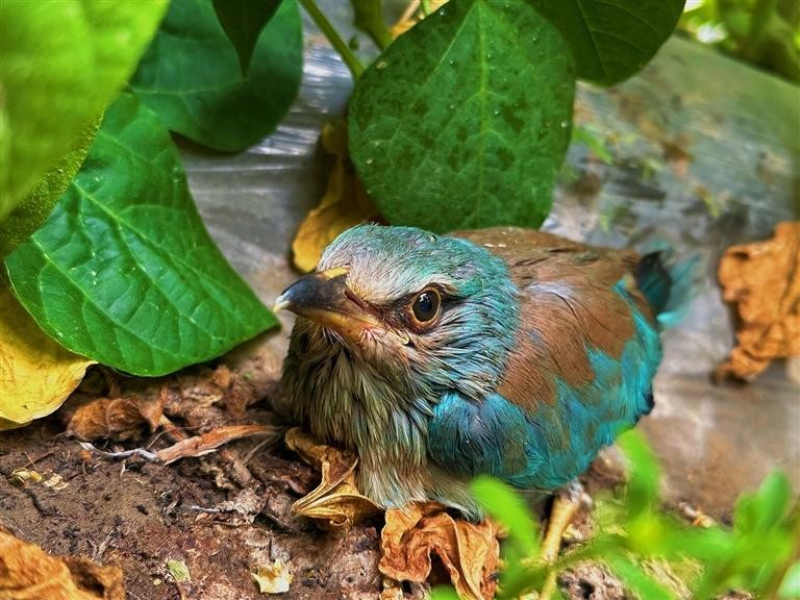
(425, 306)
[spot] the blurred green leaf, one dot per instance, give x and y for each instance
(507, 508)
(61, 63)
(642, 487)
(191, 76)
(790, 586)
(637, 580)
(772, 500)
(593, 141)
(243, 21)
(444, 593)
(124, 271)
(612, 39)
(448, 111)
(38, 204)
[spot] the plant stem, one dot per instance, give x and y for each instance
(355, 66)
(426, 8)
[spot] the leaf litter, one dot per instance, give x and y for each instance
(27, 572)
(762, 280)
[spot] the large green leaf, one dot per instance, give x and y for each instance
(464, 120)
(243, 21)
(123, 271)
(61, 63)
(192, 78)
(612, 39)
(29, 214)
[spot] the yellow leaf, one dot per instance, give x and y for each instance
(336, 501)
(36, 374)
(27, 571)
(344, 205)
(273, 579)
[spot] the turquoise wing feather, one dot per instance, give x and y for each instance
(586, 353)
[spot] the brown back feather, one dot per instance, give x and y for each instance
(567, 303)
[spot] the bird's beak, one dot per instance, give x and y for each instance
(325, 298)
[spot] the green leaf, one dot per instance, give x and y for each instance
(612, 39)
(243, 21)
(772, 500)
(444, 593)
(123, 271)
(470, 110)
(642, 487)
(508, 508)
(29, 214)
(191, 76)
(790, 587)
(637, 580)
(62, 63)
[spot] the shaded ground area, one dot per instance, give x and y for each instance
(223, 515)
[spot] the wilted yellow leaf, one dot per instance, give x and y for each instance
(344, 205)
(36, 374)
(336, 501)
(27, 571)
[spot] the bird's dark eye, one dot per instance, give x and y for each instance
(426, 306)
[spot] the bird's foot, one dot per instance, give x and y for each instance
(566, 504)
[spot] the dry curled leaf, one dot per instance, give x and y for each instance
(28, 572)
(336, 501)
(211, 440)
(274, 578)
(344, 205)
(763, 279)
(469, 551)
(36, 374)
(119, 418)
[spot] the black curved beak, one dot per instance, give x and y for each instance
(325, 298)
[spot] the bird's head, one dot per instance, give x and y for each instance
(430, 312)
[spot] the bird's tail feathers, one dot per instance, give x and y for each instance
(668, 285)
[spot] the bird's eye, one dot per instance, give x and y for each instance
(426, 306)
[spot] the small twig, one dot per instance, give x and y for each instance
(412, 7)
(145, 454)
(350, 59)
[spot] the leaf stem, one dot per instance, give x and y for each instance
(355, 66)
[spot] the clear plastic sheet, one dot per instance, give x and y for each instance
(705, 154)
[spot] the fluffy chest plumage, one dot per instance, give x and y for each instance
(348, 402)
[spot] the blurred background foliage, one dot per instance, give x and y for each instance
(764, 33)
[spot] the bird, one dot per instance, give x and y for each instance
(506, 352)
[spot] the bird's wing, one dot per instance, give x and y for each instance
(586, 351)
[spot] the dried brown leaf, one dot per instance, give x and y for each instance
(469, 551)
(763, 279)
(28, 572)
(119, 418)
(210, 441)
(336, 501)
(344, 205)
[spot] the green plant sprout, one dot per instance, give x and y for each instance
(757, 554)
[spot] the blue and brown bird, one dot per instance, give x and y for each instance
(504, 352)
